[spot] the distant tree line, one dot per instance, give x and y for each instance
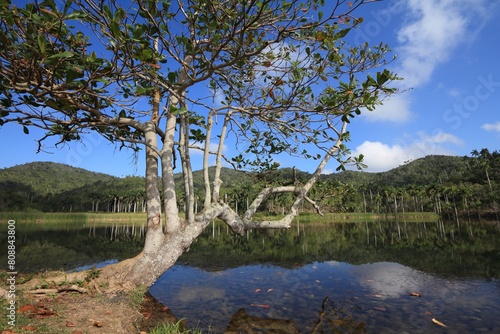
(443, 184)
(446, 185)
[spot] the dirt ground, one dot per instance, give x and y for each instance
(74, 313)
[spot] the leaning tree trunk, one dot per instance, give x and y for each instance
(163, 248)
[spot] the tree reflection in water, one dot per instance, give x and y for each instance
(363, 267)
(241, 322)
(331, 319)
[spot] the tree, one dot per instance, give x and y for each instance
(280, 76)
(488, 163)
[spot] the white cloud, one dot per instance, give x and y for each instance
(218, 97)
(382, 157)
(395, 109)
(427, 40)
(328, 171)
(491, 127)
(439, 138)
(432, 31)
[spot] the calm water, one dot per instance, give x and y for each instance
(374, 297)
(329, 278)
(341, 278)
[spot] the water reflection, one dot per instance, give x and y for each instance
(342, 277)
(69, 246)
(323, 297)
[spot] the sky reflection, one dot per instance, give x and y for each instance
(375, 295)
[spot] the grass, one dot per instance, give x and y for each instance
(176, 328)
(78, 219)
(35, 217)
(73, 218)
(136, 296)
(347, 217)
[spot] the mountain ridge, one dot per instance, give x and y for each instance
(55, 187)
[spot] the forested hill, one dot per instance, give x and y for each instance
(44, 178)
(467, 182)
(429, 170)
(49, 178)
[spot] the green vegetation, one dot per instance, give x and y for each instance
(46, 219)
(282, 79)
(70, 245)
(464, 250)
(137, 296)
(445, 185)
(177, 328)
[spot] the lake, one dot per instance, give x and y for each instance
(391, 277)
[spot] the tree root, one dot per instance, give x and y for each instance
(4, 294)
(69, 288)
(57, 279)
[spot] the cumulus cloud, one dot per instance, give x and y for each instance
(491, 127)
(382, 157)
(395, 109)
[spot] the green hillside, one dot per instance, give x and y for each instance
(44, 178)
(443, 184)
(424, 171)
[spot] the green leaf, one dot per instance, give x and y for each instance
(75, 16)
(197, 135)
(42, 44)
(382, 77)
(65, 54)
(74, 73)
(142, 90)
(25, 130)
(115, 28)
(343, 33)
(178, 111)
(172, 76)
(52, 104)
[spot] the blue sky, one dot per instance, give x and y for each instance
(448, 54)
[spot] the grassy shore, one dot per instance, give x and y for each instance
(79, 218)
(69, 217)
(364, 217)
